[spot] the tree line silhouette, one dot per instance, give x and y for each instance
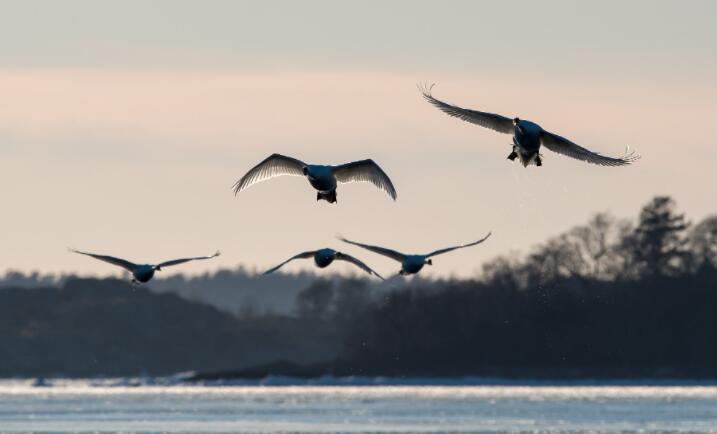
(610, 298)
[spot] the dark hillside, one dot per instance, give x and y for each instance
(107, 327)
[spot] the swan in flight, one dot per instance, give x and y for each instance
(323, 178)
(411, 264)
(324, 257)
(527, 136)
(142, 273)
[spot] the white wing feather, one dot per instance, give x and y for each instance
(365, 171)
(273, 166)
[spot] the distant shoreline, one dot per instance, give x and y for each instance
(189, 380)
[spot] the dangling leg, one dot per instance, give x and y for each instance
(513, 155)
(330, 196)
(538, 161)
(318, 197)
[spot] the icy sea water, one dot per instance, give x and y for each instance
(73, 406)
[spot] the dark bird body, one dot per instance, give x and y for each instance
(143, 273)
(526, 142)
(323, 180)
(324, 257)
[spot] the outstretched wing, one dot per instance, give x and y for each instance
(448, 249)
(273, 166)
(561, 145)
(129, 266)
(493, 121)
(365, 171)
(361, 265)
(380, 250)
(303, 255)
(183, 260)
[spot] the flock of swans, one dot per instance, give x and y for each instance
(528, 137)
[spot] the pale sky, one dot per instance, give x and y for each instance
(123, 125)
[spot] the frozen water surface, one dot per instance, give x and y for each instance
(127, 406)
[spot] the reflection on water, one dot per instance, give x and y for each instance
(112, 406)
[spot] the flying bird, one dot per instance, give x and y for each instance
(323, 178)
(324, 257)
(142, 273)
(527, 136)
(411, 264)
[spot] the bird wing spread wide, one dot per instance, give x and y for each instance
(183, 260)
(561, 145)
(448, 249)
(365, 171)
(129, 266)
(380, 250)
(493, 121)
(273, 166)
(302, 255)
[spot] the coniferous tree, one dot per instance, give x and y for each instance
(658, 244)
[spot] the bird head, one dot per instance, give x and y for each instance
(429, 261)
(516, 121)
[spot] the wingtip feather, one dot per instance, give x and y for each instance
(426, 89)
(630, 156)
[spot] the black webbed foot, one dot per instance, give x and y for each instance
(538, 161)
(513, 155)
